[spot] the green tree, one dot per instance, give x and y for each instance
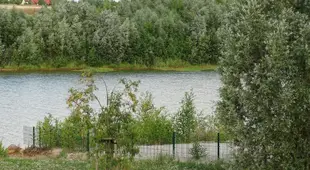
(111, 121)
(111, 39)
(63, 44)
(47, 131)
(27, 50)
(12, 25)
(204, 41)
(153, 126)
(265, 75)
(185, 120)
(144, 29)
(131, 34)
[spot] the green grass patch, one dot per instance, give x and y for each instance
(169, 164)
(57, 164)
(168, 65)
(205, 67)
(46, 164)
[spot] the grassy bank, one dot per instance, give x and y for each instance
(57, 164)
(47, 164)
(108, 68)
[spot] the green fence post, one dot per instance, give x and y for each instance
(57, 134)
(173, 143)
(39, 136)
(218, 145)
(33, 136)
(50, 138)
(87, 141)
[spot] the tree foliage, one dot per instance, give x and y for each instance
(152, 124)
(95, 33)
(185, 120)
(265, 74)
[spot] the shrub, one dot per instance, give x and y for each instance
(185, 120)
(48, 132)
(152, 125)
(198, 151)
(3, 151)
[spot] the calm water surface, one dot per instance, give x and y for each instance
(26, 98)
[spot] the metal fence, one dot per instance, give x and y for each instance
(182, 152)
(29, 136)
(213, 150)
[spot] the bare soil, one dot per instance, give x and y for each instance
(43, 153)
(36, 153)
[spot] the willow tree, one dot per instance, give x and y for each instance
(203, 39)
(186, 119)
(110, 40)
(265, 95)
(12, 25)
(26, 50)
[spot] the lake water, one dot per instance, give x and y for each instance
(26, 98)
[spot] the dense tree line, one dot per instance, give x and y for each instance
(143, 32)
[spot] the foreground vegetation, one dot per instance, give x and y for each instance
(56, 164)
(124, 116)
(265, 73)
(262, 47)
(127, 119)
(48, 164)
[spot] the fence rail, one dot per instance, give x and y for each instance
(180, 151)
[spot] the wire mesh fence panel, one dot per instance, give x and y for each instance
(28, 136)
(226, 150)
(182, 151)
(154, 151)
(153, 147)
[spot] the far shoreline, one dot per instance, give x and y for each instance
(109, 68)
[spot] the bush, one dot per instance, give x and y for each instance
(152, 126)
(185, 120)
(48, 132)
(198, 151)
(3, 151)
(73, 134)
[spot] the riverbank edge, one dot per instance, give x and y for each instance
(110, 68)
